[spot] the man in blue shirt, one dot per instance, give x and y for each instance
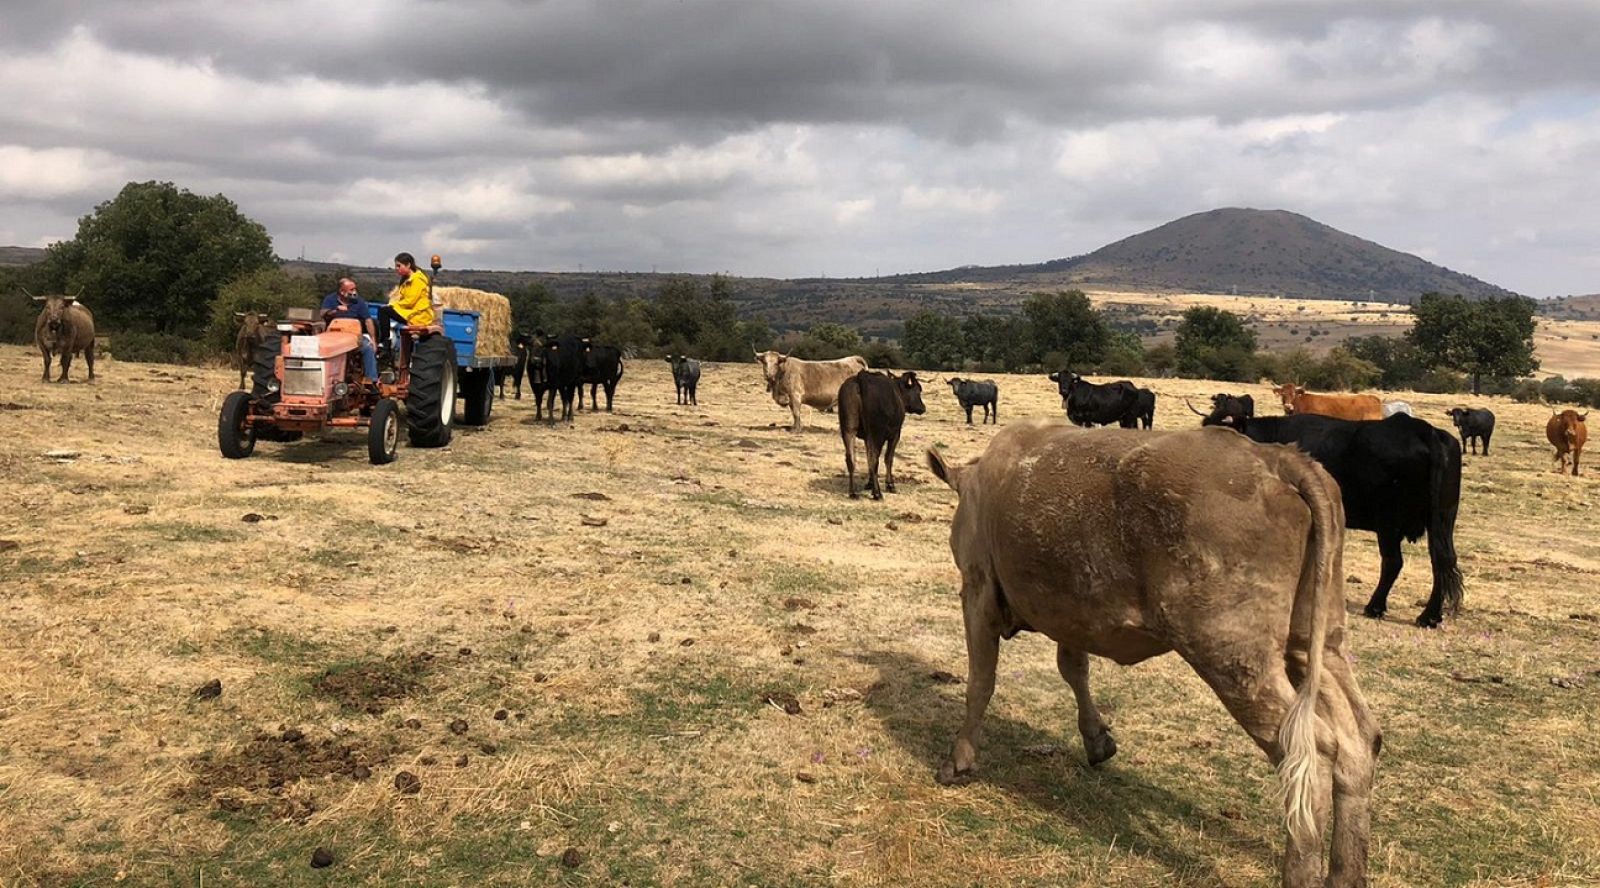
(347, 304)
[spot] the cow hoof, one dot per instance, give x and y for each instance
(854, 495)
(1426, 621)
(949, 776)
(1375, 613)
(890, 488)
(876, 495)
(1100, 748)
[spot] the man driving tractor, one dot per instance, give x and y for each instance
(347, 303)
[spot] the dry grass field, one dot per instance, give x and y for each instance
(443, 673)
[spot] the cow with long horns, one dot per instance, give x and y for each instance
(65, 328)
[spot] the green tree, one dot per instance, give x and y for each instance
(1215, 344)
(1398, 360)
(531, 309)
(844, 338)
(1067, 329)
(154, 257)
(627, 326)
(1489, 337)
(933, 341)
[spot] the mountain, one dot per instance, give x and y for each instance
(1249, 252)
(17, 256)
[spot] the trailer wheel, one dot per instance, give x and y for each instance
(431, 400)
(235, 439)
(383, 436)
(477, 387)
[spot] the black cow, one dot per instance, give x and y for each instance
(521, 345)
(602, 366)
(971, 393)
(686, 377)
(1144, 410)
(1089, 404)
(563, 372)
(1398, 477)
(1473, 423)
(1227, 409)
(873, 407)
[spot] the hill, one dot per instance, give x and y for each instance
(18, 256)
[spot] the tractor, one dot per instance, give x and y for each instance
(306, 377)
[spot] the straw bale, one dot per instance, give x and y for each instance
(494, 316)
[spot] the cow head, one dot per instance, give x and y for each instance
(521, 342)
(54, 315)
(250, 323)
(1065, 381)
(1457, 415)
(770, 361)
(910, 392)
(955, 383)
(1290, 393)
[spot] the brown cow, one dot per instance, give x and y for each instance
(65, 328)
(1568, 433)
(1128, 546)
(873, 407)
(793, 382)
(252, 328)
(1297, 400)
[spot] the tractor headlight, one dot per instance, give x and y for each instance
(340, 389)
(272, 385)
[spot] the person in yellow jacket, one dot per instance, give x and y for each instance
(411, 304)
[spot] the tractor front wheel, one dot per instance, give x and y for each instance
(431, 398)
(383, 436)
(235, 438)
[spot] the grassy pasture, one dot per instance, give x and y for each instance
(587, 705)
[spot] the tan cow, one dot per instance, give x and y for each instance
(793, 382)
(1297, 400)
(1129, 545)
(65, 328)
(1568, 433)
(253, 327)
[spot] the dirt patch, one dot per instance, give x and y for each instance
(265, 773)
(372, 687)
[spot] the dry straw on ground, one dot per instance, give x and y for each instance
(634, 663)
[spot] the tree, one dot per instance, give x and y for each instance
(1398, 360)
(1215, 344)
(626, 325)
(846, 339)
(153, 258)
(1492, 337)
(269, 290)
(1067, 329)
(933, 341)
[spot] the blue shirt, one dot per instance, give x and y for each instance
(356, 309)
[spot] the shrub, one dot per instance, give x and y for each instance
(1526, 391)
(158, 348)
(1441, 382)
(270, 290)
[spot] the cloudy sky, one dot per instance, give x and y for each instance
(817, 137)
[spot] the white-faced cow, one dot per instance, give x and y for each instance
(686, 377)
(65, 328)
(873, 407)
(1474, 424)
(1128, 546)
(972, 393)
(1399, 478)
(793, 382)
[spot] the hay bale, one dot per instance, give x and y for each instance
(494, 316)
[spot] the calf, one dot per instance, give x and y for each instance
(602, 366)
(65, 327)
(1297, 400)
(1129, 546)
(1473, 424)
(252, 327)
(686, 377)
(873, 407)
(970, 393)
(1089, 404)
(1399, 477)
(1568, 433)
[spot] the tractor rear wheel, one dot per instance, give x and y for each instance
(235, 439)
(477, 388)
(383, 436)
(431, 398)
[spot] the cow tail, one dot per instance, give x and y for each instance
(1444, 499)
(1297, 735)
(945, 472)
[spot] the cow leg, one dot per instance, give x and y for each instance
(850, 460)
(969, 413)
(611, 390)
(888, 461)
(46, 376)
(794, 408)
(88, 358)
(1486, 445)
(65, 360)
(980, 611)
(1359, 741)
(1575, 454)
(874, 453)
(1097, 741)
(1393, 560)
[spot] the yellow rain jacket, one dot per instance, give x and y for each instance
(410, 300)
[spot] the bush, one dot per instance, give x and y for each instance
(270, 290)
(1555, 389)
(1441, 382)
(158, 348)
(1526, 392)
(18, 314)
(1586, 392)
(882, 355)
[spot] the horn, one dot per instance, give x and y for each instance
(25, 290)
(1192, 410)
